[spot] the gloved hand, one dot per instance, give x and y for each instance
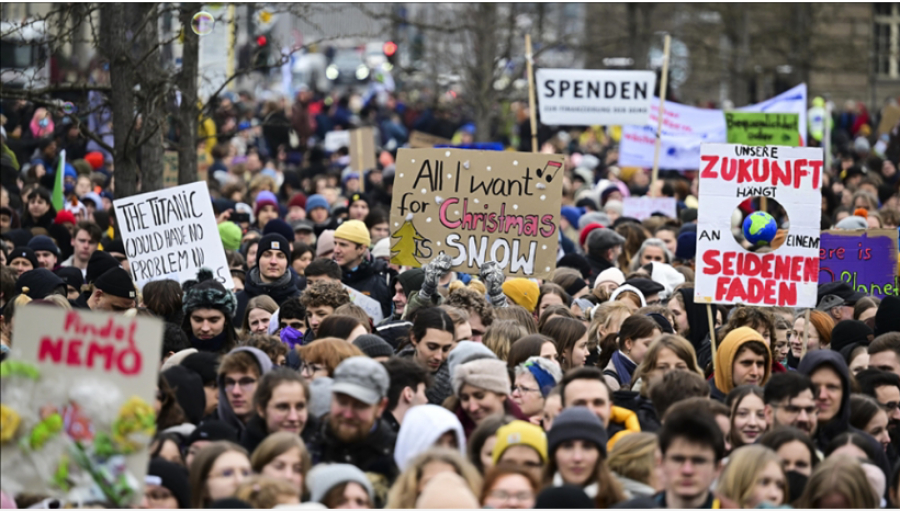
(434, 270)
(493, 278)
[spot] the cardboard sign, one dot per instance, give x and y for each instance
(170, 169)
(644, 207)
(726, 272)
(477, 206)
(77, 397)
(585, 97)
(171, 234)
(752, 128)
(865, 259)
(419, 140)
(335, 140)
(362, 149)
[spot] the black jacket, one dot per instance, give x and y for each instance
(255, 432)
(641, 406)
(371, 279)
(281, 290)
(598, 264)
(374, 454)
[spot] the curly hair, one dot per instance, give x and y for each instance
(324, 294)
(756, 318)
(271, 345)
(472, 301)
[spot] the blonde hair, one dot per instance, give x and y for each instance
(501, 334)
(355, 311)
(277, 444)
(60, 301)
(405, 491)
(262, 492)
(634, 457)
(604, 316)
(838, 474)
(738, 480)
(680, 346)
(264, 302)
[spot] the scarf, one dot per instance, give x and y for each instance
(213, 344)
(591, 489)
(624, 367)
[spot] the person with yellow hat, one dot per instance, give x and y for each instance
(743, 358)
(522, 292)
(360, 270)
(523, 444)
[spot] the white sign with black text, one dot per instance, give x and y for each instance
(586, 97)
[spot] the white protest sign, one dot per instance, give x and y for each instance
(370, 305)
(685, 128)
(588, 97)
(78, 394)
(171, 234)
(727, 273)
(335, 140)
(644, 207)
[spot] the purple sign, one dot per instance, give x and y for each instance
(867, 260)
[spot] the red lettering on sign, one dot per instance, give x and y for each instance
(708, 172)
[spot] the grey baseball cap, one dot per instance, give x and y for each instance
(362, 378)
(829, 302)
(302, 225)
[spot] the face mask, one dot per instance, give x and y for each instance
(291, 336)
(43, 122)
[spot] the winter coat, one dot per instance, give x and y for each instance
(371, 279)
(374, 454)
(255, 432)
(281, 290)
(622, 422)
(643, 407)
(224, 410)
(598, 264)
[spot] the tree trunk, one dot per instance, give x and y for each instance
(154, 87)
(482, 70)
(114, 25)
(188, 110)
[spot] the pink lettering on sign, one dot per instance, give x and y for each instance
(82, 344)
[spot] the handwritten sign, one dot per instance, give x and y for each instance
(172, 233)
(78, 394)
(726, 272)
(867, 260)
(335, 140)
(644, 207)
(419, 140)
(477, 206)
(754, 128)
(587, 97)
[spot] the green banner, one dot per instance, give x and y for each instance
(752, 128)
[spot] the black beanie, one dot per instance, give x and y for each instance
(188, 387)
(71, 275)
(23, 253)
(204, 363)
(647, 287)
(172, 477)
(578, 262)
(99, 263)
(850, 331)
(887, 318)
(577, 423)
(273, 241)
(40, 282)
(116, 282)
(564, 497)
(411, 280)
(373, 346)
(213, 431)
(116, 246)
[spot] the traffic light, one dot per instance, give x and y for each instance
(261, 54)
(390, 51)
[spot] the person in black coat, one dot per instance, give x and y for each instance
(272, 274)
(360, 270)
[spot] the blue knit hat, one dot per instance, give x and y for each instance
(317, 201)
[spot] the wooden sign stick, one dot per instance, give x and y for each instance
(660, 113)
(712, 333)
(532, 108)
(357, 135)
(805, 334)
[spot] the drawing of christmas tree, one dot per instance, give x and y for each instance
(406, 249)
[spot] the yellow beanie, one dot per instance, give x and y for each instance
(523, 292)
(355, 231)
(520, 433)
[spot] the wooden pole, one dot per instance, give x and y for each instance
(532, 107)
(806, 326)
(358, 140)
(664, 83)
(711, 316)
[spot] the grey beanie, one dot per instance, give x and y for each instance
(373, 346)
(467, 351)
(320, 396)
(577, 423)
(595, 217)
(602, 239)
(852, 222)
(489, 374)
(323, 478)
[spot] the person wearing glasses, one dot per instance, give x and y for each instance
(885, 388)
(535, 378)
(692, 447)
(239, 374)
(790, 401)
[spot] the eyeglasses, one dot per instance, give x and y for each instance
(795, 410)
(520, 496)
(521, 390)
(311, 368)
(245, 383)
(890, 405)
(158, 494)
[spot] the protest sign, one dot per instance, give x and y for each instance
(588, 97)
(172, 233)
(726, 272)
(78, 394)
(419, 140)
(370, 305)
(754, 128)
(644, 207)
(867, 260)
(477, 206)
(170, 169)
(362, 149)
(335, 140)
(685, 128)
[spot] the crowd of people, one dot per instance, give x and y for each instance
(332, 377)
